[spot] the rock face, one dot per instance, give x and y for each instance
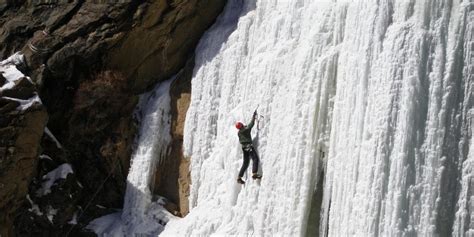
(172, 178)
(22, 121)
(52, 200)
(160, 46)
(90, 61)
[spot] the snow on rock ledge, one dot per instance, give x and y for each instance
(50, 178)
(22, 121)
(17, 87)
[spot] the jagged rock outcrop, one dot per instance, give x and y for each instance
(22, 121)
(91, 60)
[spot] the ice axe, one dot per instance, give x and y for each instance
(256, 115)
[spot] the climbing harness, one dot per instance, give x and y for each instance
(247, 147)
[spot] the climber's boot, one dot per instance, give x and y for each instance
(256, 176)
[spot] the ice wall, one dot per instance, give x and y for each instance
(401, 129)
(282, 57)
(376, 93)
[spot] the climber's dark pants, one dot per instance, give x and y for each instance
(249, 151)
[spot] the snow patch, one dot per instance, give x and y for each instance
(50, 134)
(9, 70)
(34, 207)
(25, 104)
(46, 157)
(50, 213)
(15, 59)
(11, 73)
(73, 220)
(50, 178)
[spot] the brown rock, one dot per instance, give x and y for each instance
(172, 178)
(3, 80)
(8, 135)
(159, 46)
(39, 46)
(172, 208)
(7, 105)
(69, 48)
(102, 119)
(18, 163)
(23, 89)
(63, 195)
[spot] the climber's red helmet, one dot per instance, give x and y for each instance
(239, 125)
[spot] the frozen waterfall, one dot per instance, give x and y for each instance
(401, 121)
(377, 94)
(142, 215)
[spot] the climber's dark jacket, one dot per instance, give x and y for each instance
(244, 133)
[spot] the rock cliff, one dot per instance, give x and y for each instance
(89, 61)
(22, 120)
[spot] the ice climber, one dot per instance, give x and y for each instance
(245, 139)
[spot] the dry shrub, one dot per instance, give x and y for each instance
(105, 85)
(107, 80)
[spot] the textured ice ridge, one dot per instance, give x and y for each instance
(377, 94)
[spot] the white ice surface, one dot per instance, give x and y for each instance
(282, 57)
(109, 225)
(400, 133)
(383, 88)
